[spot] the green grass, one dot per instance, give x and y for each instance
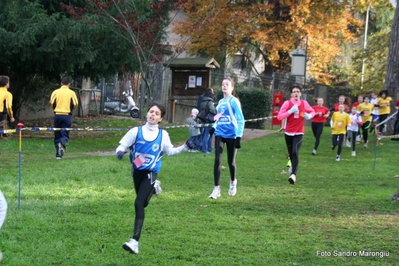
(79, 210)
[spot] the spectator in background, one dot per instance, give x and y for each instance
(199, 100)
(63, 101)
(207, 104)
(318, 121)
(193, 130)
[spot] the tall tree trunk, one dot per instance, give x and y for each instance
(392, 76)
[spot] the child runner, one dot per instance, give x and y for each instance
(147, 144)
(295, 110)
(228, 129)
(353, 128)
(339, 121)
(365, 110)
(375, 113)
(341, 100)
(321, 113)
(360, 100)
(384, 109)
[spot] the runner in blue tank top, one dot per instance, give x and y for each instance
(147, 144)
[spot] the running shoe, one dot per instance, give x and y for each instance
(157, 186)
(233, 188)
(215, 193)
(292, 179)
(132, 246)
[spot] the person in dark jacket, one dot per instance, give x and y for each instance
(207, 104)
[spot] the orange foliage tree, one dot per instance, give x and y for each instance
(273, 29)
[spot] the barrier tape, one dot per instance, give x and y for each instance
(387, 119)
(389, 137)
(35, 129)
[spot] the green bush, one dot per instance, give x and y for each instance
(255, 103)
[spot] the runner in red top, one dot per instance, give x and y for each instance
(341, 100)
(321, 113)
(359, 101)
(295, 110)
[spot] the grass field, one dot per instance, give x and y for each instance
(79, 210)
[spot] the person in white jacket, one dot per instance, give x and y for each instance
(3, 212)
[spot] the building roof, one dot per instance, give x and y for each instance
(196, 62)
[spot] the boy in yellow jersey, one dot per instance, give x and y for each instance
(365, 110)
(339, 122)
(63, 101)
(384, 108)
(5, 102)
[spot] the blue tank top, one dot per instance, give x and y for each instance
(150, 149)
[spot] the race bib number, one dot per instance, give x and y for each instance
(139, 160)
(339, 124)
(216, 117)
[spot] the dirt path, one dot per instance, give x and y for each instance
(256, 133)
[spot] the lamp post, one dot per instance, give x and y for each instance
(298, 66)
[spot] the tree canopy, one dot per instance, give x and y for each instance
(272, 29)
(370, 56)
(41, 42)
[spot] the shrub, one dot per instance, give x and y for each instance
(255, 103)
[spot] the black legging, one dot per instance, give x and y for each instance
(293, 145)
(353, 139)
(337, 140)
(144, 185)
(381, 119)
(365, 131)
(231, 158)
(317, 129)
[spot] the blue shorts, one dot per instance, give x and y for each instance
(375, 117)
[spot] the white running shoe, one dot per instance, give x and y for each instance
(233, 188)
(353, 153)
(365, 145)
(132, 246)
(215, 193)
(314, 152)
(292, 179)
(338, 158)
(157, 186)
(61, 149)
(358, 138)
(348, 143)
